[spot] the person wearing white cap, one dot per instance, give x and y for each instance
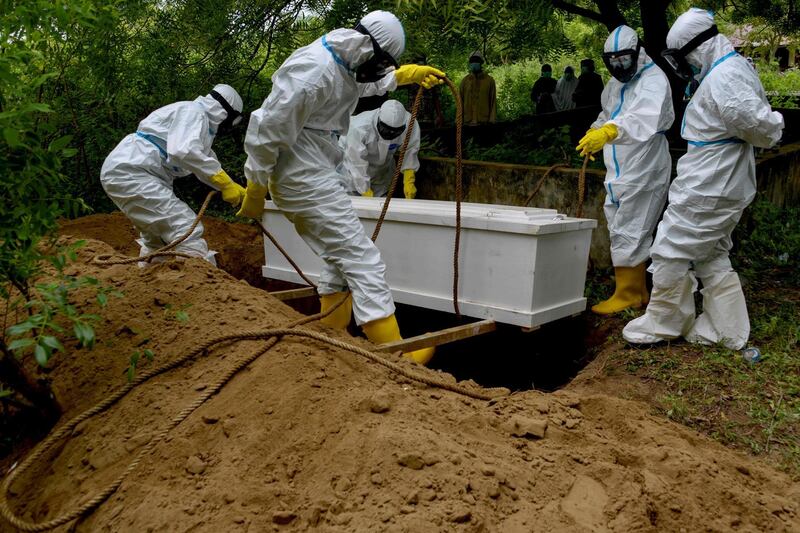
(727, 116)
(292, 151)
(369, 147)
(637, 112)
(173, 141)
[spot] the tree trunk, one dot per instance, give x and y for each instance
(45, 407)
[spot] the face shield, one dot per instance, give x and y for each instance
(676, 57)
(622, 64)
(232, 118)
(389, 133)
(376, 67)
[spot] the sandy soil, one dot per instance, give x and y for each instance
(311, 436)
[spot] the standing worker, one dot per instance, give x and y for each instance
(173, 141)
(478, 93)
(369, 148)
(292, 149)
(726, 117)
(637, 111)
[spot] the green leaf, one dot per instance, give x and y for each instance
(19, 329)
(182, 316)
(102, 299)
(40, 354)
(60, 143)
(19, 344)
(149, 354)
(12, 137)
(52, 342)
(84, 333)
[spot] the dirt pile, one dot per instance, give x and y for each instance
(311, 436)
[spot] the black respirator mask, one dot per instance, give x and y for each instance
(389, 132)
(233, 118)
(623, 64)
(676, 57)
(376, 67)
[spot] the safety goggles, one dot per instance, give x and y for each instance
(623, 63)
(676, 57)
(388, 132)
(376, 67)
(233, 117)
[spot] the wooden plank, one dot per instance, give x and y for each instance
(293, 294)
(437, 338)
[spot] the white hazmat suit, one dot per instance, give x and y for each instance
(369, 158)
(637, 161)
(726, 117)
(173, 141)
(292, 147)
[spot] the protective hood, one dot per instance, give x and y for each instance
(349, 47)
(214, 110)
(387, 30)
(391, 119)
(689, 25)
(230, 100)
(622, 53)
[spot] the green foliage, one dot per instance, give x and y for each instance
(552, 146)
(50, 313)
(783, 88)
(134, 361)
(180, 314)
(769, 242)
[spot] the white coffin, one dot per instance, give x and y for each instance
(522, 266)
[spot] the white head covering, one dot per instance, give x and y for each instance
(621, 38)
(688, 26)
(230, 95)
(387, 30)
(393, 114)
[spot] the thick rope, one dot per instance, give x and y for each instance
(166, 251)
(459, 189)
(541, 181)
(295, 266)
(582, 187)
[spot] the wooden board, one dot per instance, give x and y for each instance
(443, 336)
(293, 294)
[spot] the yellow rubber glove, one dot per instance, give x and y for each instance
(253, 204)
(368, 193)
(409, 189)
(421, 74)
(231, 191)
(595, 139)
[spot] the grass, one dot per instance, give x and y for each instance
(754, 407)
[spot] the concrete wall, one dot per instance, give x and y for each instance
(777, 173)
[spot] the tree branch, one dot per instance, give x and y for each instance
(577, 10)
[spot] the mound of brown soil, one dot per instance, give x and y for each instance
(239, 246)
(311, 436)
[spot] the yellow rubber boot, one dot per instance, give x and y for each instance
(386, 330)
(630, 292)
(340, 318)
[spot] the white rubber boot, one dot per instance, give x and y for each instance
(724, 318)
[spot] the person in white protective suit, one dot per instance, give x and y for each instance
(173, 141)
(292, 148)
(727, 115)
(637, 111)
(369, 148)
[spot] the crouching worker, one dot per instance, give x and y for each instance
(172, 142)
(292, 148)
(637, 111)
(369, 148)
